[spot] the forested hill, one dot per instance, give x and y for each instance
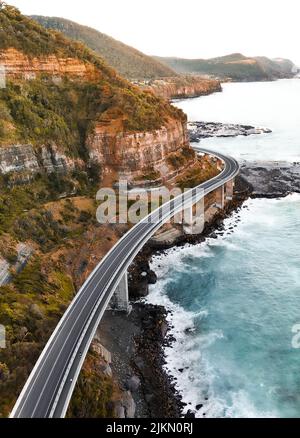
(128, 61)
(236, 67)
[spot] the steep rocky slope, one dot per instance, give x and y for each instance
(128, 61)
(236, 67)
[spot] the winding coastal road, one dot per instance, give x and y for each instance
(49, 388)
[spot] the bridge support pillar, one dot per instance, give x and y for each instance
(194, 218)
(120, 299)
(229, 190)
(220, 197)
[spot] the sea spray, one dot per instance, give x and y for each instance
(233, 302)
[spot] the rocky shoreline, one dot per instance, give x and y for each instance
(272, 179)
(182, 87)
(200, 130)
(137, 341)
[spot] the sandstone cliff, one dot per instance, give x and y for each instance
(136, 154)
(40, 132)
(182, 87)
(19, 65)
(25, 158)
(133, 153)
(128, 155)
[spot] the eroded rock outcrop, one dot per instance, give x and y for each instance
(18, 65)
(119, 127)
(130, 153)
(24, 158)
(23, 254)
(182, 87)
(136, 153)
(199, 130)
(272, 179)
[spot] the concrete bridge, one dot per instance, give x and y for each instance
(218, 200)
(49, 388)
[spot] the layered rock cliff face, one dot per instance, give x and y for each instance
(183, 87)
(25, 158)
(18, 65)
(129, 152)
(136, 153)
(129, 155)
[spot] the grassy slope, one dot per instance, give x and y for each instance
(235, 66)
(128, 61)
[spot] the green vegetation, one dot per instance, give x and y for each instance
(30, 308)
(196, 175)
(128, 61)
(93, 393)
(179, 159)
(31, 305)
(236, 67)
(22, 214)
(149, 175)
(41, 111)
(23, 34)
(41, 228)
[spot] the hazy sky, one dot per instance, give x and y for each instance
(186, 28)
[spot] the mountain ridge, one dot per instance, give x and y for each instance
(128, 61)
(141, 69)
(235, 67)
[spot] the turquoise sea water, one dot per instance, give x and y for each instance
(235, 299)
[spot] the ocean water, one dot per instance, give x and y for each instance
(273, 105)
(236, 299)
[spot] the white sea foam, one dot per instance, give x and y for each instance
(263, 217)
(186, 359)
